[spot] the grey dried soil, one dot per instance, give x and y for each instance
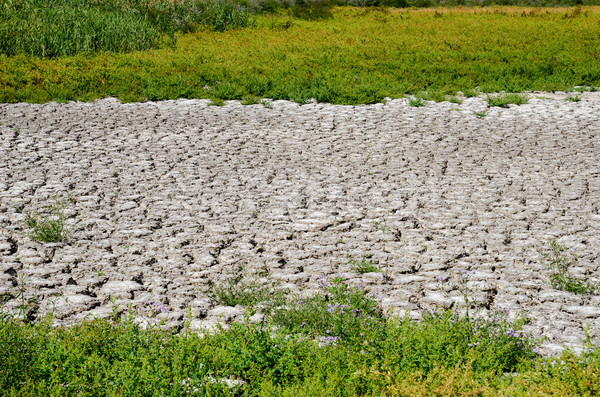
(173, 194)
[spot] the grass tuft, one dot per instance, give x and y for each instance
(503, 100)
(48, 226)
(364, 265)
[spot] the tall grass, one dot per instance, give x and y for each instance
(58, 28)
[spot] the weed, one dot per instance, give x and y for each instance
(336, 313)
(382, 225)
(266, 104)
(71, 27)
(503, 100)
(480, 114)
(560, 278)
(573, 98)
(49, 225)
(364, 265)
(250, 100)
(246, 289)
(280, 71)
(216, 102)
(337, 341)
(417, 102)
(455, 99)
(469, 93)
(25, 303)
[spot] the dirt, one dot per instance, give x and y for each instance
(166, 196)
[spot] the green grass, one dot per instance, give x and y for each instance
(337, 341)
(357, 55)
(503, 100)
(417, 102)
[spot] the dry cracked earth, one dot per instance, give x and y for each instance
(167, 196)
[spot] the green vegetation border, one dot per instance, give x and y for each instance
(358, 55)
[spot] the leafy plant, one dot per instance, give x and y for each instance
(246, 289)
(24, 302)
(364, 353)
(480, 114)
(266, 104)
(454, 99)
(280, 71)
(503, 100)
(560, 278)
(573, 98)
(364, 265)
(69, 27)
(216, 102)
(468, 93)
(417, 102)
(49, 225)
(250, 100)
(337, 312)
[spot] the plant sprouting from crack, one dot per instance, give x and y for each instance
(364, 265)
(246, 289)
(558, 262)
(25, 303)
(48, 225)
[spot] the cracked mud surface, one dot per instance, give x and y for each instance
(172, 194)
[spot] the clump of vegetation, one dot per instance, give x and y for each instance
(58, 28)
(337, 312)
(241, 287)
(417, 101)
(251, 100)
(363, 265)
(573, 98)
(48, 225)
(503, 100)
(558, 262)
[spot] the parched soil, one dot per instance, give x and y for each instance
(167, 196)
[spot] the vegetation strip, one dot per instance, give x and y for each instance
(357, 55)
(334, 342)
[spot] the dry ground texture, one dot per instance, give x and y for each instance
(166, 196)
